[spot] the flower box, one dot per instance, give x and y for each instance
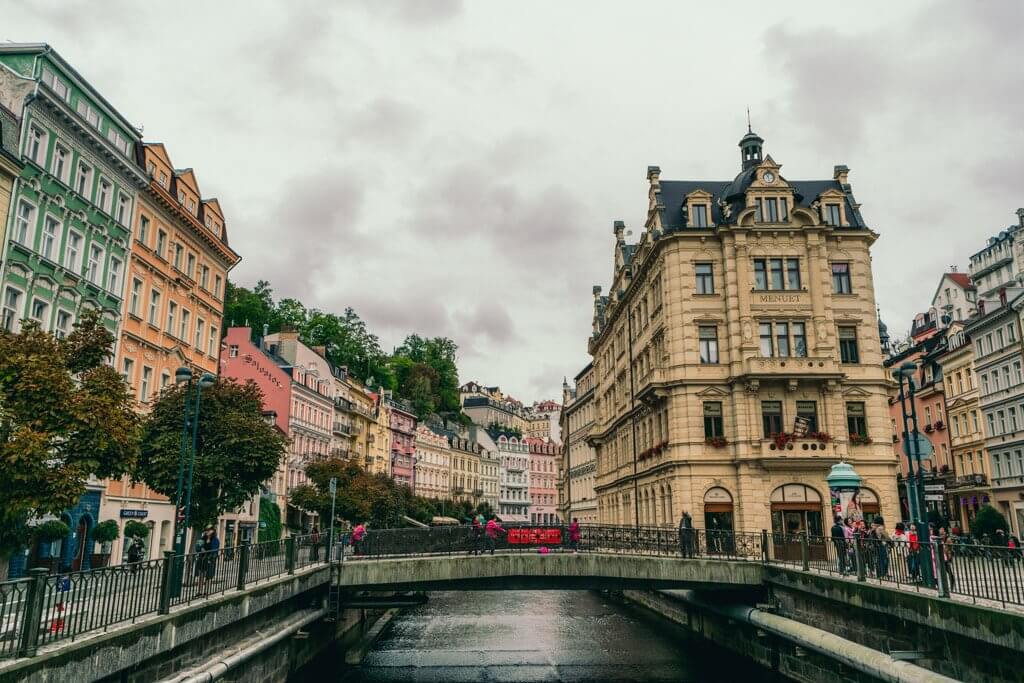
(859, 440)
(717, 441)
(939, 424)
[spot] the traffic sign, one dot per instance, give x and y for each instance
(935, 487)
(334, 485)
(934, 496)
(925, 449)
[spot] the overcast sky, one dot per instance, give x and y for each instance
(454, 168)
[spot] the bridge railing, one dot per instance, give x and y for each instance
(47, 608)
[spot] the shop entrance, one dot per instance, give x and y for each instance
(796, 511)
(718, 520)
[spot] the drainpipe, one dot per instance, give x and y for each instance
(872, 662)
(217, 669)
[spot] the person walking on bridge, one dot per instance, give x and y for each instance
(574, 535)
(492, 531)
(314, 544)
(477, 535)
(839, 542)
(686, 535)
(358, 534)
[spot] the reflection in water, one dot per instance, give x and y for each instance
(536, 636)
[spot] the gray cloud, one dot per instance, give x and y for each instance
(383, 120)
(413, 13)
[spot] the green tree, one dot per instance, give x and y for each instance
(427, 375)
(252, 308)
(987, 521)
(237, 452)
(64, 415)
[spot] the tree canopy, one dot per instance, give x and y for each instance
(421, 370)
(64, 415)
(238, 450)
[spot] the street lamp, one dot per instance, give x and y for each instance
(915, 481)
(183, 376)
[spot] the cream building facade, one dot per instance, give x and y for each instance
(466, 473)
(433, 465)
(744, 305)
(490, 476)
(578, 466)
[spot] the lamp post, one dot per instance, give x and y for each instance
(182, 515)
(915, 481)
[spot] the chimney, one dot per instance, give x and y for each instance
(1020, 217)
(619, 228)
(653, 175)
(597, 291)
(840, 173)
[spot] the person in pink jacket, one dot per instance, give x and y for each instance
(574, 535)
(358, 534)
(492, 531)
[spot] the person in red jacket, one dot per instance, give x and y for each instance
(574, 535)
(491, 532)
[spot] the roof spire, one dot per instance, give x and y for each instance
(749, 130)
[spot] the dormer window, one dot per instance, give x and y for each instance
(181, 197)
(699, 215)
(832, 215)
(771, 210)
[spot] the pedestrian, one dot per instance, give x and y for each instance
(492, 531)
(358, 534)
(574, 535)
(211, 544)
(851, 552)
(838, 535)
(314, 544)
(946, 552)
(476, 536)
(135, 553)
(913, 553)
(684, 535)
(882, 541)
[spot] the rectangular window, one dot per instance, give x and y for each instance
(37, 145)
(12, 309)
(190, 265)
(808, 410)
(144, 385)
(39, 313)
(124, 205)
(771, 418)
(83, 181)
(183, 330)
(211, 350)
(51, 237)
(25, 223)
(999, 339)
(143, 229)
(767, 345)
(1010, 333)
(58, 86)
(856, 422)
(708, 344)
(216, 286)
(841, 279)
(848, 345)
(128, 370)
(713, 427)
(772, 210)
(705, 278)
(204, 277)
(200, 327)
(161, 243)
(1013, 418)
(178, 251)
(775, 266)
(104, 195)
(172, 315)
(133, 297)
(1001, 419)
(984, 383)
(114, 276)
(700, 215)
(782, 340)
(832, 215)
(61, 166)
(760, 274)
(799, 340)
(758, 210)
(63, 324)
(792, 273)
(1006, 376)
(784, 209)
(73, 252)
(154, 306)
(94, 271)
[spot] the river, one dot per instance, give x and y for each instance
(536, 636)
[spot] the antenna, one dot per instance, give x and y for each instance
(748, 121)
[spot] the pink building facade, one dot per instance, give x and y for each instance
(403, 442)
(543, 487)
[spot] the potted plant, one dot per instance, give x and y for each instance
(939, 424)
(716, 441)
(929, 428)
(821, 437)
(104, 533)
(859, 440)
(51, 532)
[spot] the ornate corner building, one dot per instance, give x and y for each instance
(737, 356)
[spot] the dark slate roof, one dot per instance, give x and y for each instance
(673, 196)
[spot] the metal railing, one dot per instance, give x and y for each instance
(46, 608)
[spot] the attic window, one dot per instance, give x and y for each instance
(832, 215)
(699, 213)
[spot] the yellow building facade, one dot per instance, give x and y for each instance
(736, 357)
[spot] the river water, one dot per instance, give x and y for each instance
(536, 636)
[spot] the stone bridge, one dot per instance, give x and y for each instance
(555, 571)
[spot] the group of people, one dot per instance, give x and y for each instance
(877, 549)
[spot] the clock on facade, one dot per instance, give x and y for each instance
(768, 177)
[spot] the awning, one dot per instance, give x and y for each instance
(514, 519)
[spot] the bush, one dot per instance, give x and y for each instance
(133, 529)
(271, 514)
(106, 532)
(53, 530)
(987, 521)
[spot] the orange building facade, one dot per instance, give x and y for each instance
(173, 309)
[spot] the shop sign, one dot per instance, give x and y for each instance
(134, 514)
(528, 536)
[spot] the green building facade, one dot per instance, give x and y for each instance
(69, 226)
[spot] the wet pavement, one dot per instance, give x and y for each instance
(539, 636)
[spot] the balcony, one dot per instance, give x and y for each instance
(340, 453)
(791, 368)
(343, 404)
(970, 481)
(342, 428)
(478, 492)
